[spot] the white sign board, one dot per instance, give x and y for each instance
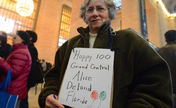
(88, 79)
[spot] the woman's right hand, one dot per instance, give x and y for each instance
(52, 102)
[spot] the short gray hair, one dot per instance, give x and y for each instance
(109, 4)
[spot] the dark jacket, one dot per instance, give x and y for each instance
(5, 50)
(168, 52)
(35, 75)
(19, 61)
(141, 77)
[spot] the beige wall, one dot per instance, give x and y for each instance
(131, 15)
(152, 23)
(76, 21)
(117, 22)
(47, 28)
(158, 23)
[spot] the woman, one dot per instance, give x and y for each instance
(141, 77)
(35, 75)
(19, 61)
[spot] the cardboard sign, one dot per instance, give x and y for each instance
(88, 79)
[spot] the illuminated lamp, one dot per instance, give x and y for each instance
(171, 15)
(25, 7)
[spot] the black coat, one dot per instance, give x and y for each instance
(35, 75)
(168, 52)
(5, 51)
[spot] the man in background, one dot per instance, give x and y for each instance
(168, 52)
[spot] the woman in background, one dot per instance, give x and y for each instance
(19, 61)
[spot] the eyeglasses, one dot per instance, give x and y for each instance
(98, 9)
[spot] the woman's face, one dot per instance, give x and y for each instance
(17, 39)
(96, 15)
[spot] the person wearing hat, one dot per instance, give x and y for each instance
(19, 61)
(5, 48)
(168, 52)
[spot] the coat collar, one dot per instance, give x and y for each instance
(104, 28)
(102, 36)
(20, 45)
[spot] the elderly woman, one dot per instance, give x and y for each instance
(141, 79)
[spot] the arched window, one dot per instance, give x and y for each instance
(118, 3)
(11, 21)
(64, 32)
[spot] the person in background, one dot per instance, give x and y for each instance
(141, 78)
(5, 48)
(168, 52)
(35, 75)
(45, 66)
(19, 61)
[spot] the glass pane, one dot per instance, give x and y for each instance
(9, 17)
(118, 3)
(65, 24)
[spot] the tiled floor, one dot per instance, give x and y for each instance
(33, 96)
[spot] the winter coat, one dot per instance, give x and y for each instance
(5, 51)
(141, 77)
(168, 52)
(19, 61)
(35, 75)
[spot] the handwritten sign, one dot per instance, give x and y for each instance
(88, 79)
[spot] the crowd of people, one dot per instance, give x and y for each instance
(22, 58)
(143, 77)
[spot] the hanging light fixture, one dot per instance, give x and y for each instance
(25, 7)
(171, 15)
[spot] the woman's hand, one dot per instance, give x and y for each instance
(52, 102)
